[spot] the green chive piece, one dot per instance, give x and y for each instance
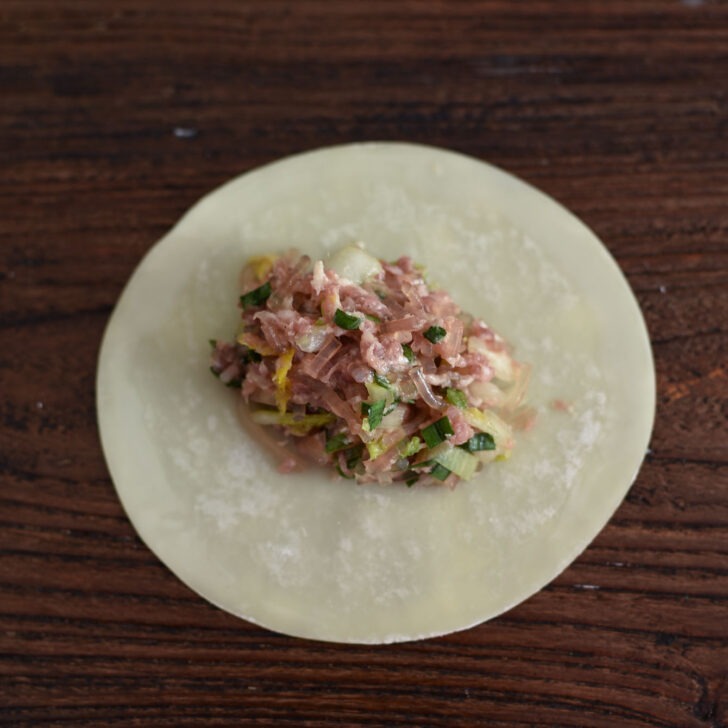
(343, 474)
(373, 412)
(440, 472)
(457, 398)
(373, 318)
(408, 353)
(435, 334)
(346, 321)
(353, 456)
(382, 381)
(437, 432)
(254, 356)
(213, 343)
(410, 478)
(256, 297)
(336, 443)
(392, 406)
(479, 441)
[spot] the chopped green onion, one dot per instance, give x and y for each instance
(457, 398)
(437, 432)
(457, 461)
(267, 416)
(336, 443)
(353, 457)
(213, 343)
(393, 406)
(256, 297)
(408, 353)
(346, 321)
(440, 472)
(254, 356)
(488, 421)
(373, 412)
(343, 474)
(382, 381)
(410, 478)
(435, 334)
(479, 441)
(373, 318)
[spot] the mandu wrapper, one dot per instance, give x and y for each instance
(318, 557)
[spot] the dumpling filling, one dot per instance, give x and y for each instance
(363, 367)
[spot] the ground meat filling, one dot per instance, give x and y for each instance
(363, 367)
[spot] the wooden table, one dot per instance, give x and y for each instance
(115, 117)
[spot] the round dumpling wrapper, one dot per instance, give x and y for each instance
(320, 557)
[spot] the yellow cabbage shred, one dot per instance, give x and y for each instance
(376, 448)
(280, 379)
(261, 265)
(257, 345)
(297, 424)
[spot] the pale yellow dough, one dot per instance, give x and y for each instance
(315, 557)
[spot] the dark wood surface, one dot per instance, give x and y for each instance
(618, 108)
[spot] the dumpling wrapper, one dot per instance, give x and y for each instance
(323, 558)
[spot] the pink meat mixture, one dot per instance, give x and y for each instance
(313, 343)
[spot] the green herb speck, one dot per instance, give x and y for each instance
(346, 321)
(435, 334)
(256, 297)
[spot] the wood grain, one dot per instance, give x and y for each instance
(618, 109)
